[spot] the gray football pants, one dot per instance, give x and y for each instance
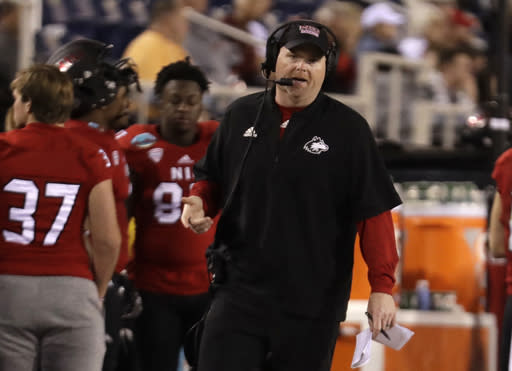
(50, 323)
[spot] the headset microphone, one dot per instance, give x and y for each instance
(283, 81)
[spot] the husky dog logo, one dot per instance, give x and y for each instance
(316, 146)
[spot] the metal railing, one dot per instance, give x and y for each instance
(388, 122)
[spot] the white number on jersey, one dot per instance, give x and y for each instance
(510, 234)
(168, 212)
(25, 215)
(105, 157)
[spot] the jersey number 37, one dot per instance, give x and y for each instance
(25, 214)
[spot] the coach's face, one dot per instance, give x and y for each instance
(305, 65)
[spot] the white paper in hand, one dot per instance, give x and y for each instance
(398, 335)
(363, 348)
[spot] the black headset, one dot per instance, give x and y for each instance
(274, 43)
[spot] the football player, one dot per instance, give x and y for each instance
(51, 181)
(170, 268)
(101, 108)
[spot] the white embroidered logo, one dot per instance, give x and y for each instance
(250, 132)
(316, 146)
(307, 29)
(184, 160)
(155, 154)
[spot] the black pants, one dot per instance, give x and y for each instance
(120, 354)
(505, 335)
(162, 325)
(113, 311)
(242, 335)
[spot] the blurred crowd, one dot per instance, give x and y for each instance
(454, 39)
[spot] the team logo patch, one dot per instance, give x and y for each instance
(155, 154)
(316, 146)
(310, 30)
(143, 140)
(250, 133)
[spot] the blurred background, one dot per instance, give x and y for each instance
(432, 79)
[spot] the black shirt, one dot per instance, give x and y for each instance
(291, 225)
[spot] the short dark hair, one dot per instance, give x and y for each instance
(181, 70)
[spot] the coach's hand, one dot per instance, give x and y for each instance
(193, 215)
(382, 308)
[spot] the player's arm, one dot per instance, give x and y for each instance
(496, 229)
(105, 235)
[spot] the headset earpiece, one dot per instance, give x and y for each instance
(274, 40)
(272, 50)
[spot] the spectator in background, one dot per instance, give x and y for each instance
(59, 180)
(200, 6)
(464, 28)
(210, 51)
(162, 42)
(428, 31)
(170, 265)
(453, 81)
(344, 19)
(246, 15)
(381, 29)
(9, 31)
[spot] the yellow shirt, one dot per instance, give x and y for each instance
(151, 51)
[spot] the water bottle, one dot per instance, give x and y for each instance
(423, 294)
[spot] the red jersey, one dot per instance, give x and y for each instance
(169, 258)
(502, 174)
(47, 175)
(120, 176)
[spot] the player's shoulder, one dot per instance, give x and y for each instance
(138, 136)
(82, 146)
(208, 128)
(4, 142)
(505, 158)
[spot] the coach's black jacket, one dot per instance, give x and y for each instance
(292, 223)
